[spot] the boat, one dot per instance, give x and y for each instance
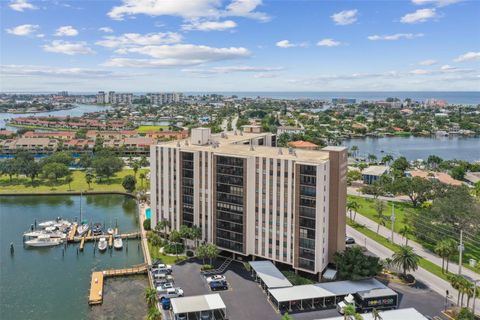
(82, 229)
(39, 233)
(102, 244)
(46, 224)
(118, 243)
(50, 229)
(97, 229)
(110, 231)
(43, 241)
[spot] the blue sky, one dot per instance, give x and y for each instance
(240, 45)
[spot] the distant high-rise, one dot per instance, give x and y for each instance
(101, 98)
(164, 98)
(63, 93)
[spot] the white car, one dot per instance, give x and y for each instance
(162, 268)
(171, 293)
(164, 287)
(216, 277)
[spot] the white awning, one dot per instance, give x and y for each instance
(399, 314)
(269, 274)
(330, 274)
(200, 303)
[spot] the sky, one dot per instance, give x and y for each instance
(239, 45)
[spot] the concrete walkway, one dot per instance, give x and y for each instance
(429, 279)
(422, 252)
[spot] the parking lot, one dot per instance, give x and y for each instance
(245, 300)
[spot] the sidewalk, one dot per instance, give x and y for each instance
(422, 252)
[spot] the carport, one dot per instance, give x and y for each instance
(268, 275)
(319, 295)
(192, 307)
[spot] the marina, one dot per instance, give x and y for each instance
(60, 282)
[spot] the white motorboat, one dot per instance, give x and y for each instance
(110, 231)
(50, 229)
(46, 224)
(102, 244)
(82, 229)
(118, 243)
(43, 241)
(39, 233)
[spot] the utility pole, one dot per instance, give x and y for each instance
(460, 253)
(474, 294)
(392, 218)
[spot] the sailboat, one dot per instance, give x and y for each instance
(83, 227)
(102, 244)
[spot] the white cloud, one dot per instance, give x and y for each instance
(469, 56)
(233, 69)
(328, 43)
(288, 44)
(209, 25)
(421, 15)
(136, 39)
(345, 17)
(176, 55)
(68, 48)
(188, 9)
(438, 3)
(420, 72)
(428, 62)
(20, 5)
(106, 29)
(447, 67)
(23, 30)
(50, 71)
(66, 31)
(396, 36)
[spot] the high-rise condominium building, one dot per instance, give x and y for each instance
(101, 98)
(252, 198)
(164, 98)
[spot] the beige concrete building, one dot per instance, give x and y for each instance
(252, 198)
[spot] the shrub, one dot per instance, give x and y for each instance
(207, 267)
(173, 248)
(190, 253)
(147, 224)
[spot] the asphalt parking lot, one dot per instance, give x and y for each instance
(245, 299)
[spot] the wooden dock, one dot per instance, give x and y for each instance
(132, 235)
(82, 243)
(96, 284)
(110, 241)
(72, 232)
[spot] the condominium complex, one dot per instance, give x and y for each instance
(164, 98)
(252, 198)
(114, 98)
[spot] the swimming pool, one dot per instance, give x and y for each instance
(147, 213)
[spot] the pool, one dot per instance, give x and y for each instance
(147, 213)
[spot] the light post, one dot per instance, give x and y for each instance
(446, 300)
(461, 247)
(392, 218)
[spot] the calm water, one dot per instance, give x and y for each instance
(39, 283)
(414, 148)
(78, 111)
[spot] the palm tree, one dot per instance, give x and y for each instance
(372, 158)
(379, 207)
(89, 178)
(406, 259)
(376, 315)
(196, 234)
(354, 150)
(142, 176)
(452, 249)
(456, 283)
(352, 206)
(151, 296)
(69, 180)
(358, 316)
(387, 159)
(135, 167)
(405, 232)
(286, 316)
(212, 251)
(154, 314)
(348, 311)
(442, 250)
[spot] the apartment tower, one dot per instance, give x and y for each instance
(252, 198)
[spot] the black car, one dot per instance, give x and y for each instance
(218, 285)
(349, 240)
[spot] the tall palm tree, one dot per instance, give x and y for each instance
(442, 250)
(348, 311)
(142, 176)
(354, 150)
(376, 314)
(151, 296)
(387, 159)
(452, 249)
(456, 283)
(372, 158)
(406, 259)
(405, 232)
(154, 314)
(379, 207)
(352, 206)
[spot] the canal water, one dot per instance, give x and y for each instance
(78, 111)
(47, 283)
(413, 148)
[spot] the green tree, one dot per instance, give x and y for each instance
(353, 264)
(417, 189)
(55, 170)
(400, 164)
(85, 160)
(154, 314)
(89, 178)
(349, 311)
(405, 232)
(354, 150)
(62, 157)
(135, 167)
(106, 165)
(458, 172)
(163, 224)
(9, 168)
(151, 297)
(387, 159)
(371, 157)
(196, 234)
(406, 259)
(442, 250)
(175, 238)
(476, 189)
(212, 251)
(32, 170)
(381, 218)
(142, 177)
(201, 252)
(129, 183)
(465, 314)
(69, 180)
(147, 224)
(286, 316)
(434, 161)
(352, 206)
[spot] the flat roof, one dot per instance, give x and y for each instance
(270, 275)
(399, 314)
(327, 289)
(375, 170)
(197, 303)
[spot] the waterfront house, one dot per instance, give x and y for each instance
(373, 173)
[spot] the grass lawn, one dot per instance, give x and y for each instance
(145, 129)
(23, 184)
(296, 279)
(40, 127)
(156, 255)
(427, 265)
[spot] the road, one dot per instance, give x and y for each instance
(354, 192)
(422, 252)
(225, 123)
(432, 281)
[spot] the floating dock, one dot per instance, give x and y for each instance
(72, 232)
(82, 243)
(96, 284)
(132, 235)
(110, 241)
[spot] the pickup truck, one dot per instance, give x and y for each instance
(171, 293)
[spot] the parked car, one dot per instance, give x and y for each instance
(181, 316)
(218, 285)
(164, 287)
(162, 278)
(171, 293)
(166, 304)
(349, 240)
(162, 268)
(205, 315)
(216, 277)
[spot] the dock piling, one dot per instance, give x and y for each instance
(12, 249)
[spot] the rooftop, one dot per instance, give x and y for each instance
(197, 303)
(375, 170)
(302, 144)
(270, 275)
(399, 314)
